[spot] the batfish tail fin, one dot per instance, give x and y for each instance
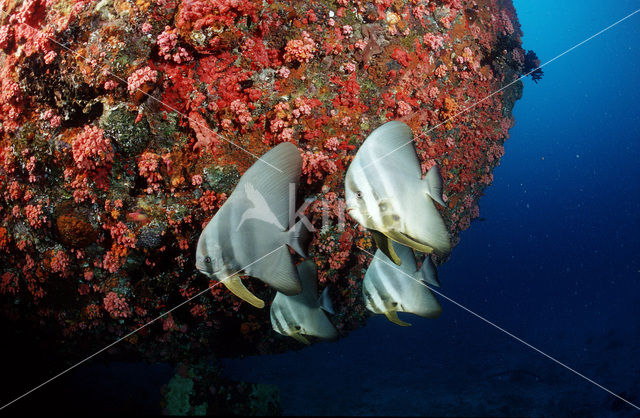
(428, 272)
(299, 237)
(278, 271)
(434, 184)
(325, 302)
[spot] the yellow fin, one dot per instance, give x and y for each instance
(234, 284)
(393, 317)
(301, 338)
(384, 244)
(409, 242)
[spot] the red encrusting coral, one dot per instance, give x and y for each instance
(107, 189)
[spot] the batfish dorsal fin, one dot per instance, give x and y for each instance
(278, 271)
(384, 244)
(271, 176)
(391, 144)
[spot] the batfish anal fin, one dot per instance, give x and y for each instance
(407, 241)
(301, 338)
(393, 317)
(235, 285)
(384, 244)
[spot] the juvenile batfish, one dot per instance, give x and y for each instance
(248, 234)
(300, 315)
(385, 193)
(389, 289)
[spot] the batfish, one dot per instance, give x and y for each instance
(389, 289)
(300, 315)
(248, 235)
(386, 194)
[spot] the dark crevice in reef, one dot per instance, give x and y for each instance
(75, 100)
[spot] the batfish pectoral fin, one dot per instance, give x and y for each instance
(235, 285)
(407, 241)
(301, 338)
(393, 317)
(384, 244)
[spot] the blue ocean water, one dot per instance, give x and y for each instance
(555, 262)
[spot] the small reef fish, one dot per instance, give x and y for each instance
(386, 194)
(300, 315)
(252, 223)
(388, 289)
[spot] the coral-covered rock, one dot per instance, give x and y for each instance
(126, 124)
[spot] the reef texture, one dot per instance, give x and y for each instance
(126, 123)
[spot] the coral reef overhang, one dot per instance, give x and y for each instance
(118, 125)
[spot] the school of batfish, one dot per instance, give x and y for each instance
(385, 194)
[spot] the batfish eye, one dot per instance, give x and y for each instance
(359, 194)
(207, 259)
(298, 327)
(394, 303)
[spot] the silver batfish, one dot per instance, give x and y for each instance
(386, 194)
(248, 235)
(389, 289)
(300, 315)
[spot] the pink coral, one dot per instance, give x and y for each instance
(116, 305)
(60, 263)
(148, 165)
(316, 165)
(433, 42)
(6, 35)
(206, 138)
(241, 111)
(91, 149)
(167, 42)
(122, 235)
(140, 77)
(301, 50)
(34, 215)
